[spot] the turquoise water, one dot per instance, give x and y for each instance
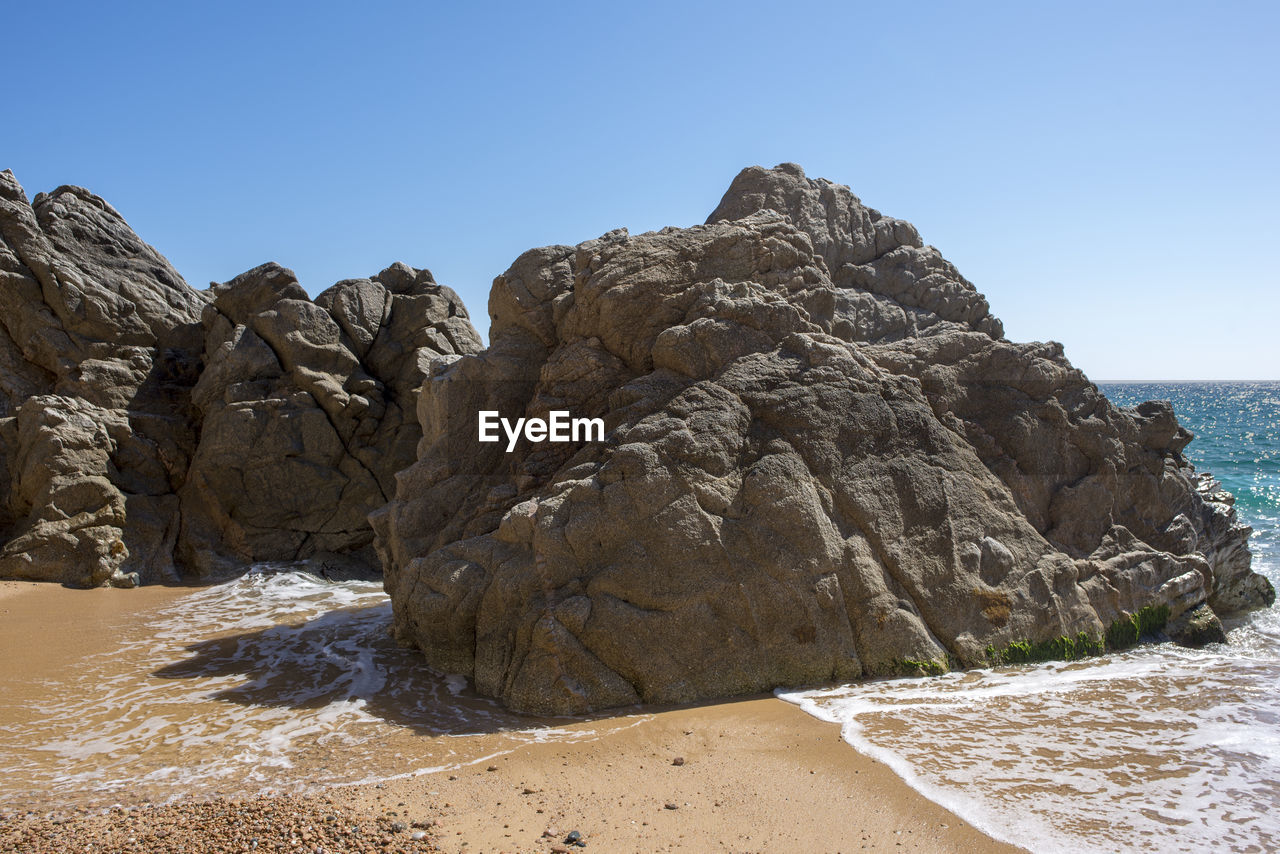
(1156, 749)
(1237, 428)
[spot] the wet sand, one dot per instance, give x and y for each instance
(748, 775)
(757, 775)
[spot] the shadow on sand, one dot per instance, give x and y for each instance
(348, 656)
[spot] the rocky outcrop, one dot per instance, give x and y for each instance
(1076, 465)
(884, 284)
(307, 411)
(822, 462)
(95, 343)
(150, 431)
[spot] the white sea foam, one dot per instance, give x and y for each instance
(1157, 749)
(239, 685)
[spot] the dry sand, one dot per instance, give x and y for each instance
(751, 775)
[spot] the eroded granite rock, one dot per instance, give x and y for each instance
(96, 346)
(149, 431)
(823, 462)
(885, 284)
(307, 411)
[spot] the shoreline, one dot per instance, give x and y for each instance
(752, 774)
(755, 774)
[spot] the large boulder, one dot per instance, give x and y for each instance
(1075, 464)
(811, 472)
(307, 411)
(98, 344)
(149, 431)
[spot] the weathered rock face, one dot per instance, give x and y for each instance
(307, 411)
(1076, 465)
(149, 430)
(822, 459)
(822, 462)
(95, 344)
(887, 284)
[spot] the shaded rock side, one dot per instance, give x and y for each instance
(776, 502)
(150, 431)
(307, 412)
(98, 345)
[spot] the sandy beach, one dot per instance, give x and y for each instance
(752, 775)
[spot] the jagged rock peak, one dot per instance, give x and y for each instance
(103, 282)
(894, 286)
(312, 403)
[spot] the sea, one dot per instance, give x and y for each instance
(279, 680)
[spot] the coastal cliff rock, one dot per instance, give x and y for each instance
(822, 462)
(95, 338)
(307, 411)
(821, 458)
(150, 431)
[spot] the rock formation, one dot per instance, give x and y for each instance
(95, 343)
(307, 411)
(823, 462)
(149, 430)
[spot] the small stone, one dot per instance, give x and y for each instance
(671, 806)
(492, 768)
(573, 837)
(418, 834)
(399, 827)
(679, 760)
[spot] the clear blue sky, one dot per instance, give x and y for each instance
(1104, 172)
